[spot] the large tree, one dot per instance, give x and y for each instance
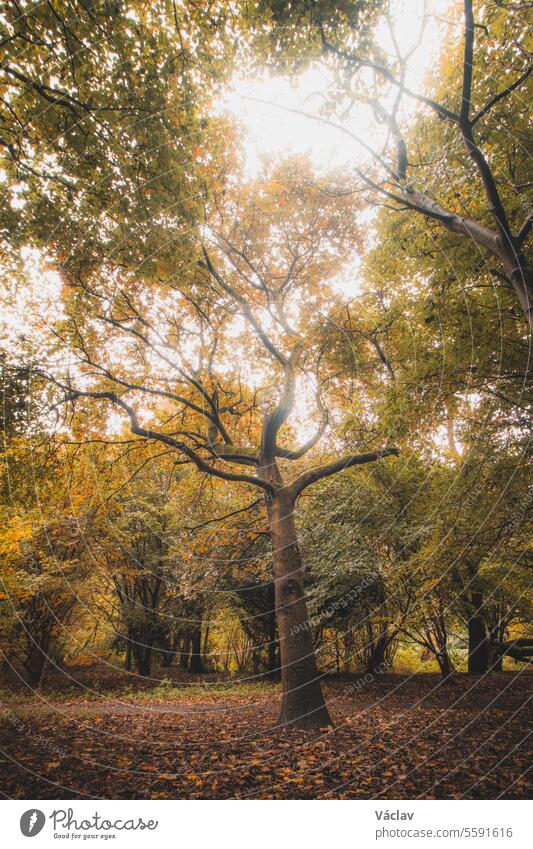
(227, 354)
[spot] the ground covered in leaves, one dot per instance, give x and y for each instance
(398, 737)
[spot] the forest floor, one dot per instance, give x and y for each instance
(397, 737)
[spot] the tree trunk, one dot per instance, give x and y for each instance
(256, 660)
(143, 658)
(337, 653)
(196, 651)
(302, 701)
(36, 660)
(273, 665)
(205, 650)
(167, 656)
(348, 645)
(496, 662)
(520, 649)
(184, 653)
(478, 638)
(521, 277)
(435, 639)
(6, 667)
(127, 659)
(380, 646)
(497, 636)
(445, 664)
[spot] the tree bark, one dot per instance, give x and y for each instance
(497, 664)
(302, 704)
(478, 638)
(273, 665)
(521, 278)
(205, 655)
(348, 643)
(143, 659)
(127, 658)
(166, 659)
(445, 664)
(36, 657)
(520, 649)
(196, 665)
(185, 649)
(497, 637)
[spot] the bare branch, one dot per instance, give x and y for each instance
(387, 74)
(525, 230)
(139, 430)
(314, 475)
(468, 58)
(501, 94)
(240, 299)
(211, 413)
(491, 189)
(420, 202)
(226, 516)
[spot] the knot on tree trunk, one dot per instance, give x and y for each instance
(290, 589)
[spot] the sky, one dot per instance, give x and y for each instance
(419, 25)
(260, 105)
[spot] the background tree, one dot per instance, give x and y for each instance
(103, 126)
(481, 195)
(44, 566)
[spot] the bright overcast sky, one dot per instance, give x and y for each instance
(419, 29)
(270, 130)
